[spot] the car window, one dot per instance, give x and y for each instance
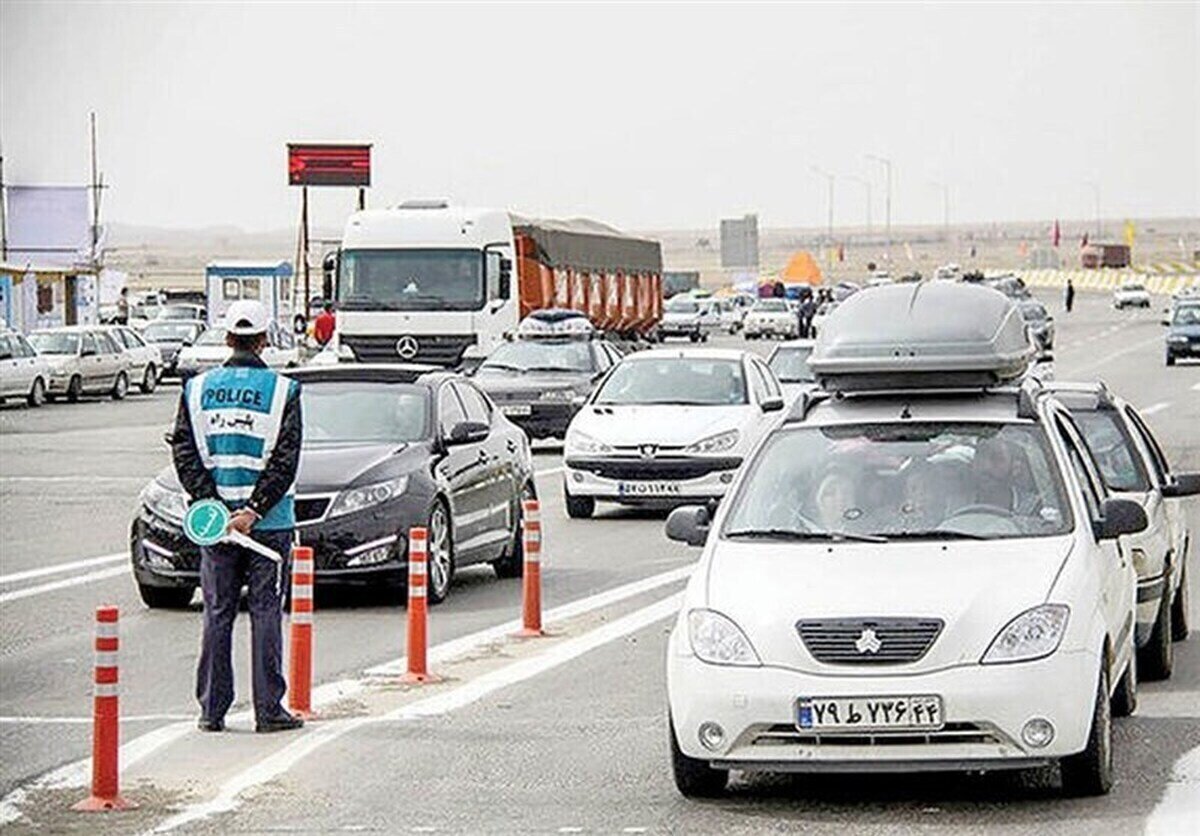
(6, 347)
(22, 346)
(758, 383)
(1162, 470)
(1092, 492)
(89, 344)
(132, 340)
(791, 365)
(1113, 449)
(450, 410)
(475, 404)
(773, 389)
(363, 413)
(106, 344)
(680, 380)
(603, 358)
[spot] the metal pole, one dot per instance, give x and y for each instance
(304, 247)
(830, 177)
(1095, 187)
(887, 164)
(945, 190)
(362, 198)
(3, 216)
(95, 195)
(867, 185)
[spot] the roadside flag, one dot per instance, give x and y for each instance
(908, 251)
(1129, 233)
(1083, 241)
(1057, 234)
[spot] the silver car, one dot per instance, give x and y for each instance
(84, 360)
(23, 374)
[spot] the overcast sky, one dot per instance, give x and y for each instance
(668, 116)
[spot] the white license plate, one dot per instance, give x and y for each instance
(648, 489)
(517, 409)
(851, 714)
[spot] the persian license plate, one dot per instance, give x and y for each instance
(517, 409)
(853, 714)
(648, 489)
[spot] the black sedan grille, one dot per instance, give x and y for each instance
(436, 349)
(646, 469)
(869, 641)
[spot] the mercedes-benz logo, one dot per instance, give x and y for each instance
(868, 642)
(407, 347)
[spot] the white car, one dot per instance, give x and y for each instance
(83, 360)
(771, 318)
(729, 316)
(1131, 295)
(145, 358)
(1133, 466)
(210, 350)
(666, 426)
(822, 313)
(789, 361)
(909, 580)
(686, 316)
(23, 374)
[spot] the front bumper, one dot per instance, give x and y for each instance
(544, 420)
(660, 481)
(1184, 348)
(985, 708)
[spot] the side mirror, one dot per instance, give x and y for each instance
(329, 268)
(467, 432)
(689, 524)
(1120, 516)
(299, 325)
(772, 405)
(1183, 484)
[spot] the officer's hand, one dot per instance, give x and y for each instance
(242, 521)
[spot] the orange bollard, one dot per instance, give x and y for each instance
(418, 639)
(106, 732)
(300, 662)
(531, 585)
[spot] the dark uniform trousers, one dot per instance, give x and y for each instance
(224, 570)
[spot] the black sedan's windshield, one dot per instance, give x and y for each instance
(364, 413)
(688, 381)
(410, 280)
(541, 356)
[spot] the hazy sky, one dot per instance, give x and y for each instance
(644, 116)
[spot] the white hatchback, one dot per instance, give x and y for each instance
(1131, 295)
(666, 426)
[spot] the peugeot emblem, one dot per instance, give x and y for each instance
(868, 642)
(648, 451)
(407, 347)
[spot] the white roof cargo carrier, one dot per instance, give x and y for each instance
(929, 335)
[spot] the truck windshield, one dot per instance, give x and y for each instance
(410, 280)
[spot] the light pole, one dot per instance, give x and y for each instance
(945, 207)
(867, 185)
(1095, 187)
(887, 164)
(830, 177)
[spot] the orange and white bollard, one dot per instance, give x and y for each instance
(418, 614)
(532, 577)
(106, 719)
(300, 662)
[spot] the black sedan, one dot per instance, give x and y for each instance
(385, 448)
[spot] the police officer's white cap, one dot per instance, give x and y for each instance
(246, 317)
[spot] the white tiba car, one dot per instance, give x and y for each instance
(925, 578)
(667, 426)
(23, 374)
(1131, 295)
(145, 358)
(771, 318)
(210, 350)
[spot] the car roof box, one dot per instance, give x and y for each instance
(929, 335)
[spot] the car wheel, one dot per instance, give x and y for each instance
(74, 389)
(694, 778)
(120, 387)
(1124, 699)
(694, 337)
(1170, 359)
(1157, 658)
(166, 597)
(37, 394)
(1179, 608)
(579, 507)
(1090, 772)
(149, 380)
(440, 571)
(512, 564)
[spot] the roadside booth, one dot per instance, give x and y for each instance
(34, 297)
(225, 282)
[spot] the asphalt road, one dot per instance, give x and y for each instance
(577, 747)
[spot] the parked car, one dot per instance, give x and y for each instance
(789, 362)
(1040, 324)
(685, 316)
(171, 336)
(1131, 295)
(209, 350)
(729, 316)
(180, 311)
(771, 318)
(84, 360)
(386, 447)
(145, 358)
(23, 374)
(1183, 334)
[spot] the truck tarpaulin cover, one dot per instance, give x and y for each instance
(587, 245)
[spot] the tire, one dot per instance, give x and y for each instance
(694, 778)
(440, 569)
(149, 379)
(166, 597)
(37, 393)
(1179, 606)
(1170, 359)
(120, 387)
(579, 507)
(512, 564)
(694, 337)
(1091, 772)
(704, 338)
(1124, 699)
(74, 389)
(1157, 658)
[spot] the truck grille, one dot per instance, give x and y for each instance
(869, 641)
(436, 349)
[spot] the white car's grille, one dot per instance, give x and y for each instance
(951, 733)
(869, 641)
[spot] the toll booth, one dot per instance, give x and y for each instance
(225, 282)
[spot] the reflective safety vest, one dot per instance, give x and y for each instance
(236, 412)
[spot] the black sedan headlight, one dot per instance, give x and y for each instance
(359, 499)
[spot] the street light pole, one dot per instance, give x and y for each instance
(867, 185)
(945, 207)
(1095, 187)
(887, 164)
(830, 177)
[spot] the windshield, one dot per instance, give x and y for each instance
(791, 365)
(410, 280)
(1112, 449)
(893, 480)
(55, 342)
(164, 332)
(771, 305)
(541, 356)
(681, 306)
(363, 413)
(1187, 315)
(178, 312)
(688, 381)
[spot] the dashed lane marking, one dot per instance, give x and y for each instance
(65, 583)
(59, 568)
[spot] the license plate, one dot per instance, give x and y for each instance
(851, 714)
(517, 409)
(648, 489)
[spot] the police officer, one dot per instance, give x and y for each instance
(237, 439)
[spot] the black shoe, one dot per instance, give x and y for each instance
(210, 725)
(284, 722)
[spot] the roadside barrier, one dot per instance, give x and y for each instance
(531, 586)
(106, 714)
(418, 638)
(300, 663)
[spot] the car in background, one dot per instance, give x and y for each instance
(820, 315)
(145, 358)
(1183, 332)
(729, 316)
(1132, 464)
(1011, 286)
(789, 362)
(686, 316)
(1039, 322)
(771, 317)
(386, 447)
(170, 336)
(667, 425)
(1131, 295)
(210, 350)
(83, 360)
(23, 374)
(179, 311)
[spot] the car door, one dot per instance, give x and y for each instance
(140, 353)
(1160, 472)
(30, 364)
(91, 364)
(461, 472)
(113, 359)
(496, 478)
(10, 367)
(764, 388)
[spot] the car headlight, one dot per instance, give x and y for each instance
(164, 502)
(718, 443)
(561, 395)
(1033, 634)
(358, 499)
(1176, 338)
(580, 442)
(717, 640)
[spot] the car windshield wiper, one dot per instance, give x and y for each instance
(936, 534)
(793, 534)
(505, 366)
(553, 369)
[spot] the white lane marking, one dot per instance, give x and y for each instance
(1196, 387)
(59, 568)
(1156, 407)
(78, 580)
(1179, 808)
(1108, 358)
(548, 471)
(228, 798)
(75, 479)
(81, 721)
